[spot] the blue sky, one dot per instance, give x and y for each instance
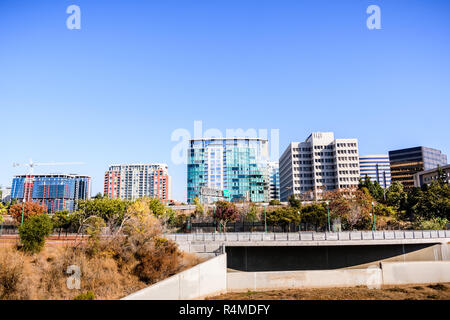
(114, 91)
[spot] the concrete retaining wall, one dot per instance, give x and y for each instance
(416, 272)
(205, 279)
(243, 281)
(390, 273)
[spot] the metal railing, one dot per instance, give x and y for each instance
(312, 236)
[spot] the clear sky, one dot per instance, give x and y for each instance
(115, 90)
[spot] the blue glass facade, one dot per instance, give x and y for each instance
(377, 168)
(237, 165)
(56, 192)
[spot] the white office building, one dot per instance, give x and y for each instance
(318, 164)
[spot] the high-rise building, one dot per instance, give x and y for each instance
(407, 162)
(57, 192)
(274, 180)
(237, 165)
(377, 168)
(133, 181)
(320, 163)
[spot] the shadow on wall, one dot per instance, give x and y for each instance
(289, 258)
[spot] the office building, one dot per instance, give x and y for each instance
(318, 164)
(274, 180)
(57, 192)
(407, 162)
(377, 168)
(5, 194)
(237, 165)
(134, 181)
(429, 176)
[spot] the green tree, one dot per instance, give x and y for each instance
(94, 226)
(251, 215)
(442, 177)
(274, 202)
(374, 188)
(105, 208)
(157, 207)
(63, 220)
(3, 211)
(294, 201)
(98, 196)
(283, 217)
(199, 209)
(314, 215)
(433, 202)
(33, 232)
(396, 196)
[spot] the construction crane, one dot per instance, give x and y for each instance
(32, 164)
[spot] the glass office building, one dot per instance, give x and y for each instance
(274, 180)
(57, 192)
(377, 168)
(234, 164)
(405, 163)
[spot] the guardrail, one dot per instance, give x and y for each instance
(311, 236)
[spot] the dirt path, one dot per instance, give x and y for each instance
(439, 291)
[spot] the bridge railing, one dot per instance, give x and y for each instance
(311, 236)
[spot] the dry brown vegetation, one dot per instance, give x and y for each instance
(440, 291)
(43, 275)
(136, 256)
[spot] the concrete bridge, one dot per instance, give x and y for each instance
(316, 250)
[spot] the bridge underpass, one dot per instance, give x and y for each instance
(317, 251)
(290, 258)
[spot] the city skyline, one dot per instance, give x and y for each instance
(115, 90)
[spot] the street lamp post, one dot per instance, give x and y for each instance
(374, 225)
(265, 220)
(328, 215)
(23, 210)
(215, 227)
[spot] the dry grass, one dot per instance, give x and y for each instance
(440, 291)
(43, 276)
(136, 256)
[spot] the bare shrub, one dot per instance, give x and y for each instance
(14, 283)
(158, 259)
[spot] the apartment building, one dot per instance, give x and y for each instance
(58, 192)
(318, 164)
(237, 165)
(133, 181)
